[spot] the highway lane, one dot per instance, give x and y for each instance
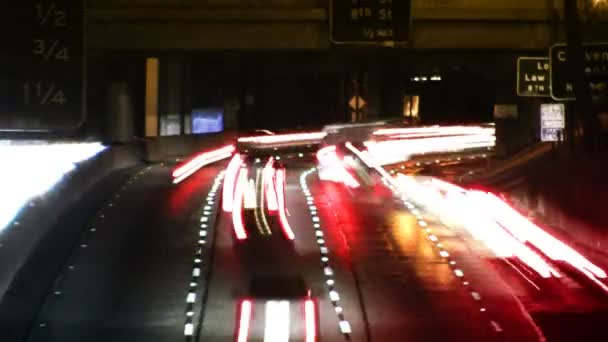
(409, 291)
(370, 262)
(391, 283)
(234, 267)
(128, 276)
(567, 308)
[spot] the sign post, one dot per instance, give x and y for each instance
(552, 121)
(383, 22)
(533, 77)
(596, 71)
(42, 66)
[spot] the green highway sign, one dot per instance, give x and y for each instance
(382, 22)
(595, 67)
(533, 77)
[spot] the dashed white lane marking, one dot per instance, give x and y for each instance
(334, 296)
(459, 273)
(197, 262)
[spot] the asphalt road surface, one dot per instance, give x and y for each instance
(128, 277)
(160, 263)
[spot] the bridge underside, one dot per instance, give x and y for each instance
(122, 25)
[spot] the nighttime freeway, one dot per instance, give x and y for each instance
(304, 170)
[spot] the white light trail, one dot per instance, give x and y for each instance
(276, 322)
(284, 138)
(502, 229)
(30, 169)
(526, 231)
(280, 189)
(331, 168)
(394, 151)
(237, 213)
(268, 180)
(436, 130)
(244, 321)
(205, 158)
(232, 172)
(250, 195)
(310, 317)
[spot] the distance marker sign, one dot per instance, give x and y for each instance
(42, 65)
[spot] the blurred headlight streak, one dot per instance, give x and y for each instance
(394, 151)
(436, 130)
(276, 323)
(280, 187)
(268, 177)
(232, 172)
(205, 158)
(237, 214)
(244, 320)
(526, 231)
(283, 138)
(331, 168)
(455, 205)
(30, 169)
(311, 320)
(250, 193)
(371, 162)
(500, 227)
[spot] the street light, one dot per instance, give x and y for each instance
(592, 10)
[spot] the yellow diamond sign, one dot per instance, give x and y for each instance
(354, 104)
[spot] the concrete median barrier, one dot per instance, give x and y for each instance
(37, 244)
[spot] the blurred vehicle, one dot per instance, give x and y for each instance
(277, 309)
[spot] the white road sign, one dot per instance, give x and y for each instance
(552, 121)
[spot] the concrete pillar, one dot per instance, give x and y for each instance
(373, 89)
(186, 96)
(342, 107)
(120, 127)
(171, 97)
(232, 106)
(152, 83)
